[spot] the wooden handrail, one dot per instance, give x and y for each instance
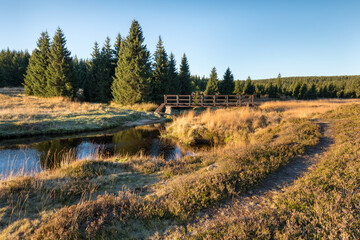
(208, 100)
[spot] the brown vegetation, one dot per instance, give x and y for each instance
(144, 197)
(22, 115)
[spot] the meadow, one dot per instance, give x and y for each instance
(140, 197)
(22, 115)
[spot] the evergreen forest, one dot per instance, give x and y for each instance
(125, 72)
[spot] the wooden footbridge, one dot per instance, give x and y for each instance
(186, 101)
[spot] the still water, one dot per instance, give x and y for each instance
(26, 157)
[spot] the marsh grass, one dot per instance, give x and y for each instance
(143, 107)
(188, 186)
(143, 197)
(22, 115)
(323, 204)
(305, 108)
(219, 126)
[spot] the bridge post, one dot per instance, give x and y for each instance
(168, 110)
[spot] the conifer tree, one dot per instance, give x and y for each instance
(184, 77)
(2, 77)
(279, 84)
(311, 93)
(107, 72)
(133, 71)
(271, 90)
(249, 87)
(80, 72)
(303, 90)
(238, 88)
(227, 85)
(35, 79)
(212, 84)
(160, 79)
(117, 46)
(259, 89)
(174, 84)
(91, 87)
(59, 75)
(296, 90)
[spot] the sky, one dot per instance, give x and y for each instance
(253, 38)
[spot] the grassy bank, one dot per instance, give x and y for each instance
(22, 115)
(140, 197)
(322, 205)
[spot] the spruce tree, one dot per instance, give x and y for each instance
(279, 84)
(311, 93)
(174, 84)
(238, 89)
(107, 72)
(227, 85)
(184, 77)
(303, 90)
(2, 77)
(35, 79)
(296, 90)
(91, 88)
(212, 85)
(80, 72)
(259, 89)
(59, 75)
(133, 71)
(160, 78)
(117, 45)
(249, 87)
(271, 90)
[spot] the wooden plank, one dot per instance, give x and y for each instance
(209, 100)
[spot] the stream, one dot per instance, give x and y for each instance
(33, 155)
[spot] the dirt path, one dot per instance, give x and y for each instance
(246, 202)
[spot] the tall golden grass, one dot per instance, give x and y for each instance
(25, 108)
(22, 115)
(323, 204)
(220, 126)
(145, 107)
(305, 108)
(162, 192)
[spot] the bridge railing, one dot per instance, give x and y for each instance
(208, 100)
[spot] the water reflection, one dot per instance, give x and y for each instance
(49, 154)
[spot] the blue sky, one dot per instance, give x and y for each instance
(254, 38)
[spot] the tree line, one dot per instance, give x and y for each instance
(308, 87)
(294, 87)
(127, 73)
(13, 66)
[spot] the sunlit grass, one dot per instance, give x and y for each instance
(143, 197)
(22, 115)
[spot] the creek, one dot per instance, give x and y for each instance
(32, 155)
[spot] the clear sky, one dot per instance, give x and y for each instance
(254, 38)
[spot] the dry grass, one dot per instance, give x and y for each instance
(74, 202)
(25, 202)
(144, 107)
(22, 115)
(323, 204)
(220, 126)
(195, 183)
(305, 109)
